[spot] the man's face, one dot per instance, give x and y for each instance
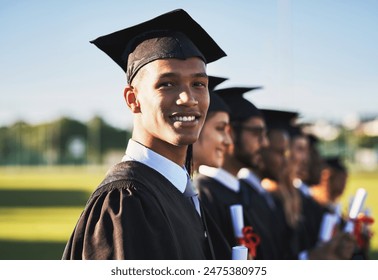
(173, 100)
(299, 154)
(275, 156)
(252, 139)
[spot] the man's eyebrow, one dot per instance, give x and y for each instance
(200, 75)
(168, 75)
(173, 74)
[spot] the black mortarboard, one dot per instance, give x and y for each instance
(171, 35)
(216, 103)
(277, 119)
(241, 108)
(313, 140)
(295, 131)
(336, 163)
(215, 81)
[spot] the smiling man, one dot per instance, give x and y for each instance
(146, 207)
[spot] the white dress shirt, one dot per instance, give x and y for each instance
(174, 173)
(222, 176)
(255, 183)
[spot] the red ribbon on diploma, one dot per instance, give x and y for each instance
(361, 221)
(250, 240)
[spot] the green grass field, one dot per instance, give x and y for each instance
(39, 207)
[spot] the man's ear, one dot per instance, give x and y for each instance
(131, 99)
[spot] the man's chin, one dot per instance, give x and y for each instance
(184, 141)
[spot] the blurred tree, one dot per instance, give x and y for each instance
(64, 141)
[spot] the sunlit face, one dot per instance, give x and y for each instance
(173, 99)
(213, 141)
(252, 138)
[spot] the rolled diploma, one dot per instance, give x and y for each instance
(239, 253)
(358, 202)
(326, 228)
(237, 220)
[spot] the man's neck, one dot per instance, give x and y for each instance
(177, 154)
(320, 194)
(232, 165)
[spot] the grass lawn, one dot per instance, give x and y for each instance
(39, 207)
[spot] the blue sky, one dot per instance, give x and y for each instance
(319, 57)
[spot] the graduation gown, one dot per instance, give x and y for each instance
(217, 199)
(136, 213)
(278, 238)
(312, 215)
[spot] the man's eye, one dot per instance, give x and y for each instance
(199, 84)
(166, 84)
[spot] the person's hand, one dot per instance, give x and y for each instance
(340, 247)
(346, 245)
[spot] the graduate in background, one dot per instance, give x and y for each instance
(285, 163)
(209, 152)
(146, 207)
(214, 139)
(220, 187)
(277, 175)
(332, 183)
(333, 180)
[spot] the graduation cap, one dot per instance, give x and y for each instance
(216, 103)
(171, 35)
(277, 119)
(241, 108)
(335, 162)
(295, 131)
(215, 81)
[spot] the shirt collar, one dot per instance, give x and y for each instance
(251, 178)
(221, 175)
(299, 184)
(176, 174)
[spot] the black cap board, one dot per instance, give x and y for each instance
(216, 103)
(241, 108)
(277, 119)
(215, 81)
(171, 35)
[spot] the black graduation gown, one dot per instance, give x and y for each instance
(312, 215)
(217, 199)
(136, 213)
(277, 235)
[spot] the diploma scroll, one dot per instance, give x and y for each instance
(244, 235)
(239, 253)
(237, 220)
(355, 208)
(327, 227)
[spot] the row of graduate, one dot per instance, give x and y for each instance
(289, 193)
(253, 161)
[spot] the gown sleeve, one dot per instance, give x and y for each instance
(122, 221)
